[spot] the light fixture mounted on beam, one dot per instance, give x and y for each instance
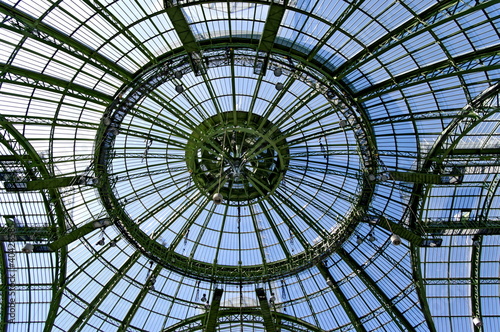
(395, 239)
(179, 88)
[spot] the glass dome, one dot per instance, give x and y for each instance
(266, 165)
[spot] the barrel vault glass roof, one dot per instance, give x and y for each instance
(331, 129)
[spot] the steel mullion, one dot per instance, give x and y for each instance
(388, 41)
(435, 71)
(112, 20)
(171, 217)
(139, 299)
(276, 232)
(384, 300)
(285, 219)
(105, 291)
(187, 224)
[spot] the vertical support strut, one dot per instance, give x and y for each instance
(268, 36)
(475, 285)
(214, 311)
(266, 311)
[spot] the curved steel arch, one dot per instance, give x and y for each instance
(468, 119)
(154, 76)
(59, 217)
(250, 315)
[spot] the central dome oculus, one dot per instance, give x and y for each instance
(241, 155)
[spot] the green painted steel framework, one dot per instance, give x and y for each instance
(41, 178)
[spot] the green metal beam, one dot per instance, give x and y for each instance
(56, 201)
(140, 298)
(480, 60)
(398, 229)
(26, 233)
(58, 289)
(106, 289)
(351, 313)
(268, 36)
(213, 314)
(385, 301)
(4, 310)
(266, 311)
(289, 323)
(78, 233)
(26, 77)
(181, 26)
(482, 225)
(30, 26)
(271, 27)
(13, 157)
(483, 152)
(424, 178)
(52, 183)
(421, 290)
(419, 23)
(475, 278)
